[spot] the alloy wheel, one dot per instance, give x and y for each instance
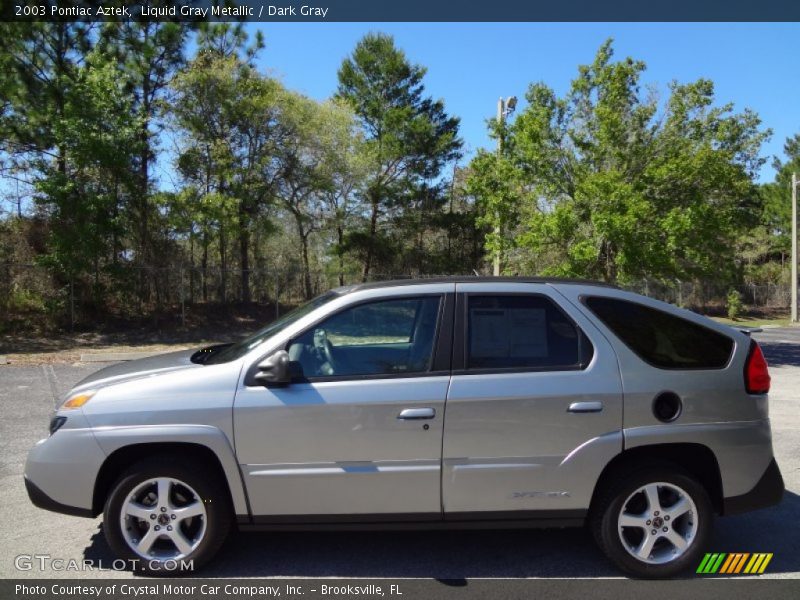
(658, 523)
(163, 519)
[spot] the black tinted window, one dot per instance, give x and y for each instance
(382, 337)
(522, 332)
(662, 339)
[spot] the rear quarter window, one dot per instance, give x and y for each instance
(660, 338)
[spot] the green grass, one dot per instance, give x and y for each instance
(753, 322)
(356, 340)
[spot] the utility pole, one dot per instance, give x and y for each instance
(500, 116)
(794, 247)
(504, 108)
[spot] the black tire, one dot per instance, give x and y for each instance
(605, 513)
(203, 481)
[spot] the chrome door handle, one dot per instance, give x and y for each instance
(585, 407)
(417, 413)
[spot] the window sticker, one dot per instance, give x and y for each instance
(508, 333)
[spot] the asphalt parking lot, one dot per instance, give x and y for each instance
(27, 398)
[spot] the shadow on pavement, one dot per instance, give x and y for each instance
(775, 529)
(458, 555)
(781, 355)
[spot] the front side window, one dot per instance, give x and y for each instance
(388, 337)
(661, 339)
(523, 332)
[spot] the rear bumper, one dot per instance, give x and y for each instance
(767, 492)
(42, 500)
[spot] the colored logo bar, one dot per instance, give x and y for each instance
(734, 563)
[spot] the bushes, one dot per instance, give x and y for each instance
(22, 300)
(734, 304)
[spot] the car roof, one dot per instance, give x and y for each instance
(466, 279)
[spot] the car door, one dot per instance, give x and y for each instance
(534, 409)
(358, 434)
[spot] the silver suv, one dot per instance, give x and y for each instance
(444, 403)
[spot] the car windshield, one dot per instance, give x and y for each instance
(241, 348)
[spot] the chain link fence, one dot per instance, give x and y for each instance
(174, 292)
(705, 296)
(29, 291)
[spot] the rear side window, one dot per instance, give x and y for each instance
(662, 339)
(523, 332)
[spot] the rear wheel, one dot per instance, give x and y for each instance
(165, 518)
(653, 523)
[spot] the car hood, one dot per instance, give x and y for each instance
(136, 369)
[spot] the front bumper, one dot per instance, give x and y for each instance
(61, 470)
(767, 492)
(42, 500)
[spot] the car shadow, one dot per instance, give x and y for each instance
(775, 529)
(454, 556)
(781, 355)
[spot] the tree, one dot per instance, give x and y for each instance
(94, 134)
(324, 163)
(39, 63)
(496, 184)
(608, 185)
(346, 165)
(777, 213)
(229, 39)
(307, 168)
(228, 115)
(65, 128)
(148, 54)
(410, 135)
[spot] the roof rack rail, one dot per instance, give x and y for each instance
(471, 279)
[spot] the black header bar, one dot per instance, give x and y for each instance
(404, 10)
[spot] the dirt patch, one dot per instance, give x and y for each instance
(72, 355)
(209, 325)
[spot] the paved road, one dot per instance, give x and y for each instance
(27, 398)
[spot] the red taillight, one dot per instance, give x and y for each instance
(756, 372)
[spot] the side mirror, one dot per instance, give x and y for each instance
(275, 369)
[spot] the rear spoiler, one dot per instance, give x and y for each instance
(749, 330)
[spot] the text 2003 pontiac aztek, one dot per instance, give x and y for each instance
(438, 403)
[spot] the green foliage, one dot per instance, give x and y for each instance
(24, 300)
(734, 304)
(229, 116)
(38, 66)
(605, 181)
(409, 136)
(147, 55)
(497, 185)
(229, 39)
(776, 198)
(97, 135)
(606, 184)
(267, 179)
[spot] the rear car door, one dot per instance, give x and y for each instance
(534, 409)
(358, 435)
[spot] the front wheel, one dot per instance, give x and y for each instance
(165, 517)
(654, 523)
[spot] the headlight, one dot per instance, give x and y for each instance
(78, 400)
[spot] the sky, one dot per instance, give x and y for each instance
(470, 65)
